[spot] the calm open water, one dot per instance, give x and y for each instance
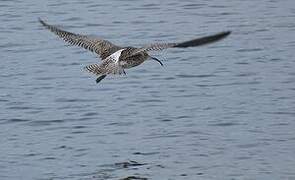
(222, 111)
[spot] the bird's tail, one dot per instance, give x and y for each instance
(95, 69)
(104, 69)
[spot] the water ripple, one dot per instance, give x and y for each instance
(211, 113)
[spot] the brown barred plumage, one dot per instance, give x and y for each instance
(101, 47)
(110, 65)
(115, 58)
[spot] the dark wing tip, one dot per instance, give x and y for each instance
(41, 21)
(203, 40)
(226, 33)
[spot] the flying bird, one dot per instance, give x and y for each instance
(115, 59)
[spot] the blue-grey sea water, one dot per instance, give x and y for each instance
(221, 111)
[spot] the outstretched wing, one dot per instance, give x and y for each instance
(101, 47)
(110, 65)
(191, 43)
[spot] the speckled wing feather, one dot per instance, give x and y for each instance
(110, 65)
(190, 43)
(101, 47)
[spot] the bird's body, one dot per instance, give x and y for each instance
(128, 60)
(116, 58)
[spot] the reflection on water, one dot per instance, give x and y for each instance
(222, 111)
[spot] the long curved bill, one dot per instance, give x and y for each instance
(153, 58)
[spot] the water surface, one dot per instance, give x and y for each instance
(223, 111)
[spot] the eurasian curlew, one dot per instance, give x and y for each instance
(116, 58)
